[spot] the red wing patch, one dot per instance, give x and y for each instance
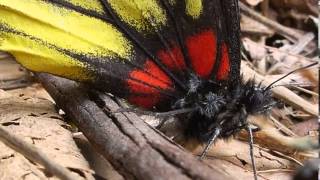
(146, 84)
(202, 52)
(224, 69)
(173, 58)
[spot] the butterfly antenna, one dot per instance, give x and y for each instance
(250, 139)
(214, 136)
(305, 67)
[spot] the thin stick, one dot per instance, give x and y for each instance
(34, 154)
(291, 34)
(305, 90)
(276, 170)
(282, 127)
(302, 43)
(288, 157)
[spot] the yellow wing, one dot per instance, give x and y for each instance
(45, 37)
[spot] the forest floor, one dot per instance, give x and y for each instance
(278, 36)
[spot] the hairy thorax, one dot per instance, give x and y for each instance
(221, 106)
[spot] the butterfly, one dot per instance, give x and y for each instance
(179, 57)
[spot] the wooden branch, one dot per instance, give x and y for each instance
(134, 148)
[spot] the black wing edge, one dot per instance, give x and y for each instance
(232, 13)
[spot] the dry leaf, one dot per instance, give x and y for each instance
(253, 2)
(36, 122)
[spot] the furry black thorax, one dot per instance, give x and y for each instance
(221, 105)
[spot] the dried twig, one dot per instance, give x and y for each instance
(302, 43)
(258, 52)
(291, 34)
(36, 155)
(270, 136)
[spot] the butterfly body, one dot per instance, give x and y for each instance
(222, 106)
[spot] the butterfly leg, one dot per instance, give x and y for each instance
(251, 152)
(214, 136)
(133, 110)
(162, 121)
(175, 112)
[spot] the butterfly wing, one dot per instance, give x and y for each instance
(187, 36)
(204, 27)
(142, 50)
(231, 14)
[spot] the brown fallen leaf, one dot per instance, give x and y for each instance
(306, 127)
(36, 122)
(305, 6)
(253, 2)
